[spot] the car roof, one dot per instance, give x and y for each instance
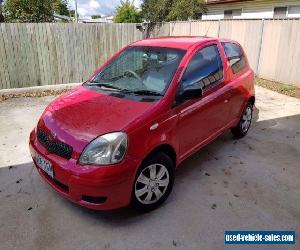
(178, 42)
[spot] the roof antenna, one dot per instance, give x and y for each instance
(208, 29)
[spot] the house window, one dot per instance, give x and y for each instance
(280, 12)
(229, 14)
(294, 10)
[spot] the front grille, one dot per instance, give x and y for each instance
(55, 147)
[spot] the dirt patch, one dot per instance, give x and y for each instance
(281, 88)
(33, 94)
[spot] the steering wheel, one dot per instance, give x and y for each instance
(130, 72)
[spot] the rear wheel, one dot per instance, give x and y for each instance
(154, 182)
(245, 122)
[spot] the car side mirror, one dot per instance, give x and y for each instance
(193, 91)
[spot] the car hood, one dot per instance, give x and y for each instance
(81, 115)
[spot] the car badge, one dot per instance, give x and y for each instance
(52, 135)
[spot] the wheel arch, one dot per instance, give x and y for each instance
(166, 149)
(251, 99)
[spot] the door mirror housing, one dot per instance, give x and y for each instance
(193, 91)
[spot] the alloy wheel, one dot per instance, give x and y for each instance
(152, 183)
(246, 119)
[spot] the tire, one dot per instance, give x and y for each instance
(245, 122)
(153, 183)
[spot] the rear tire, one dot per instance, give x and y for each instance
(153, 182)
(245, 122)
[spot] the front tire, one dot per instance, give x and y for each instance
(154, 182)
(245, 122)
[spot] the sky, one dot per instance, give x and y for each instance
(103, 7)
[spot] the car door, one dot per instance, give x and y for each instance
(240, 78)
(201, 119)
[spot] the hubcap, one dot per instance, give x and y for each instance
(152, 183)
(246, 119)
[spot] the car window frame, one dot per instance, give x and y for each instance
(119, 55)
(206, 88)
(229, 58)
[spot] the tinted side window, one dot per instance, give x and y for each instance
(204, 69)
(235, 56)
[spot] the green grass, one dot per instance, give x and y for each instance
(282, 88)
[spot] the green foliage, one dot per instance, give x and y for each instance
(72, 13)
(61, 7)
(172, 10)
(95, 16)
(127, 13)
(186, 9)
(33, 11)
(156, 10)
(1, 16)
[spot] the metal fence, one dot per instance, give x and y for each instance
(41, 54)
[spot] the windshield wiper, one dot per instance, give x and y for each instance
(104, 85)
(125, 91)
(146, 92)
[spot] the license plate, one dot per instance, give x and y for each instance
(44, 165)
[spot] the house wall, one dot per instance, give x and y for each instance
(251, 10)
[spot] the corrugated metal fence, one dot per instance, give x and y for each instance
(41, 54)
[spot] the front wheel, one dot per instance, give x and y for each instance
(245, 121)
(154, 182)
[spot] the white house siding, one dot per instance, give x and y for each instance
(253, 9)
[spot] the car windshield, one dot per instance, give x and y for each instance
(140, 70)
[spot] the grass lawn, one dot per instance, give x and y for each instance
(278, 87)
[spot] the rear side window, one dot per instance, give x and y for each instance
(235, 56)
(204, 69)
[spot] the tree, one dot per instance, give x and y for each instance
(186, 9)
(1, 16)
(28, 11)
(33, 10)
(127, 13)
(61, 7)
(95, 16)
(172, 10)
(156, 10)
(72, 13)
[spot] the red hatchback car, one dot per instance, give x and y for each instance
(118, 138)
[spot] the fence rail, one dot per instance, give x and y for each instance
(41, 54)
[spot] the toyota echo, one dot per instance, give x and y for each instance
(118, 138)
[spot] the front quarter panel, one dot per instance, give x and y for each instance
(146, 138)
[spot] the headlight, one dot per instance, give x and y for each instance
(105, 149)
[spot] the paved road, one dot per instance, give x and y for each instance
(247, 184)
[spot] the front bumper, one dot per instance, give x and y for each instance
(94, 187)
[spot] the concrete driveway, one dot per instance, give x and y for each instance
(247, 184)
